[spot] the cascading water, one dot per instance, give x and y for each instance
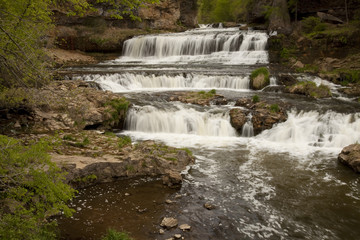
(284, 183)
(180, 121)
(248, 128)
(140, 82)
(227, 46)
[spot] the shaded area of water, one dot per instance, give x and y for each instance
(135, 206)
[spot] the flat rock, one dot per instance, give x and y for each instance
(169, 222)
(185, 227)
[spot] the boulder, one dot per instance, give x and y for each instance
(350, 156)
(310, 89)
(329, 18)
(287, 80)
(264, 115)
(237, 118)
(259, 78)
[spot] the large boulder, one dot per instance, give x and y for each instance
(259, 78)
(237, 118)
(350, 156)
(310, 89)
(264, 115)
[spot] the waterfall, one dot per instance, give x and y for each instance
(329, 130)
(223, 45)
(180, 121)
(140, 82)
(248, 129)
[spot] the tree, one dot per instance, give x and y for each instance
(24, 25)
(31, 190)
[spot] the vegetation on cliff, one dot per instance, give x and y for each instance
(31, 190)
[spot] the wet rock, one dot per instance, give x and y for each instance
(185, 227)
(264, 115)
(353, 90)
(310, 89)
(200, 98)
(209, 206)
(350, 156)
(177, 236)
(237, 118)
(172, 179)
(259, 82)
(169, 222)
(287, 79)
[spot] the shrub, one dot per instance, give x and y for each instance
(32, 190)
(309, 24)
(256, 99)
(112, 234)
(117, 109)
(274, 108)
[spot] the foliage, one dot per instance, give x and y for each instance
(222, 10)
(260, 71)
(256, 99)
(31, 189)
(124, 141)
(24, 25)
(274, 108)
(115, 235)
(117, 109)
(312, 25)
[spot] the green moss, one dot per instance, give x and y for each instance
(261, 71)
(188, 151)
(69, 137)
(172, 159)
(110, 134)
(255, 99)
(206, 95)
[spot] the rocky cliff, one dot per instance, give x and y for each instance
(98, 32)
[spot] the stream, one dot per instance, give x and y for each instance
(284, 183)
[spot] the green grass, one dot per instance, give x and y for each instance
(112, 234)
(124, 141)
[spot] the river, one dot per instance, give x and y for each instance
(284, 183)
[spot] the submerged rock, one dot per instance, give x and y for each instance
(209, 206)
(350, 156)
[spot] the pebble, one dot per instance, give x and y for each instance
(161, 231)
(168, 201)
(209, 206)
(127, 194)
(177, 236)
